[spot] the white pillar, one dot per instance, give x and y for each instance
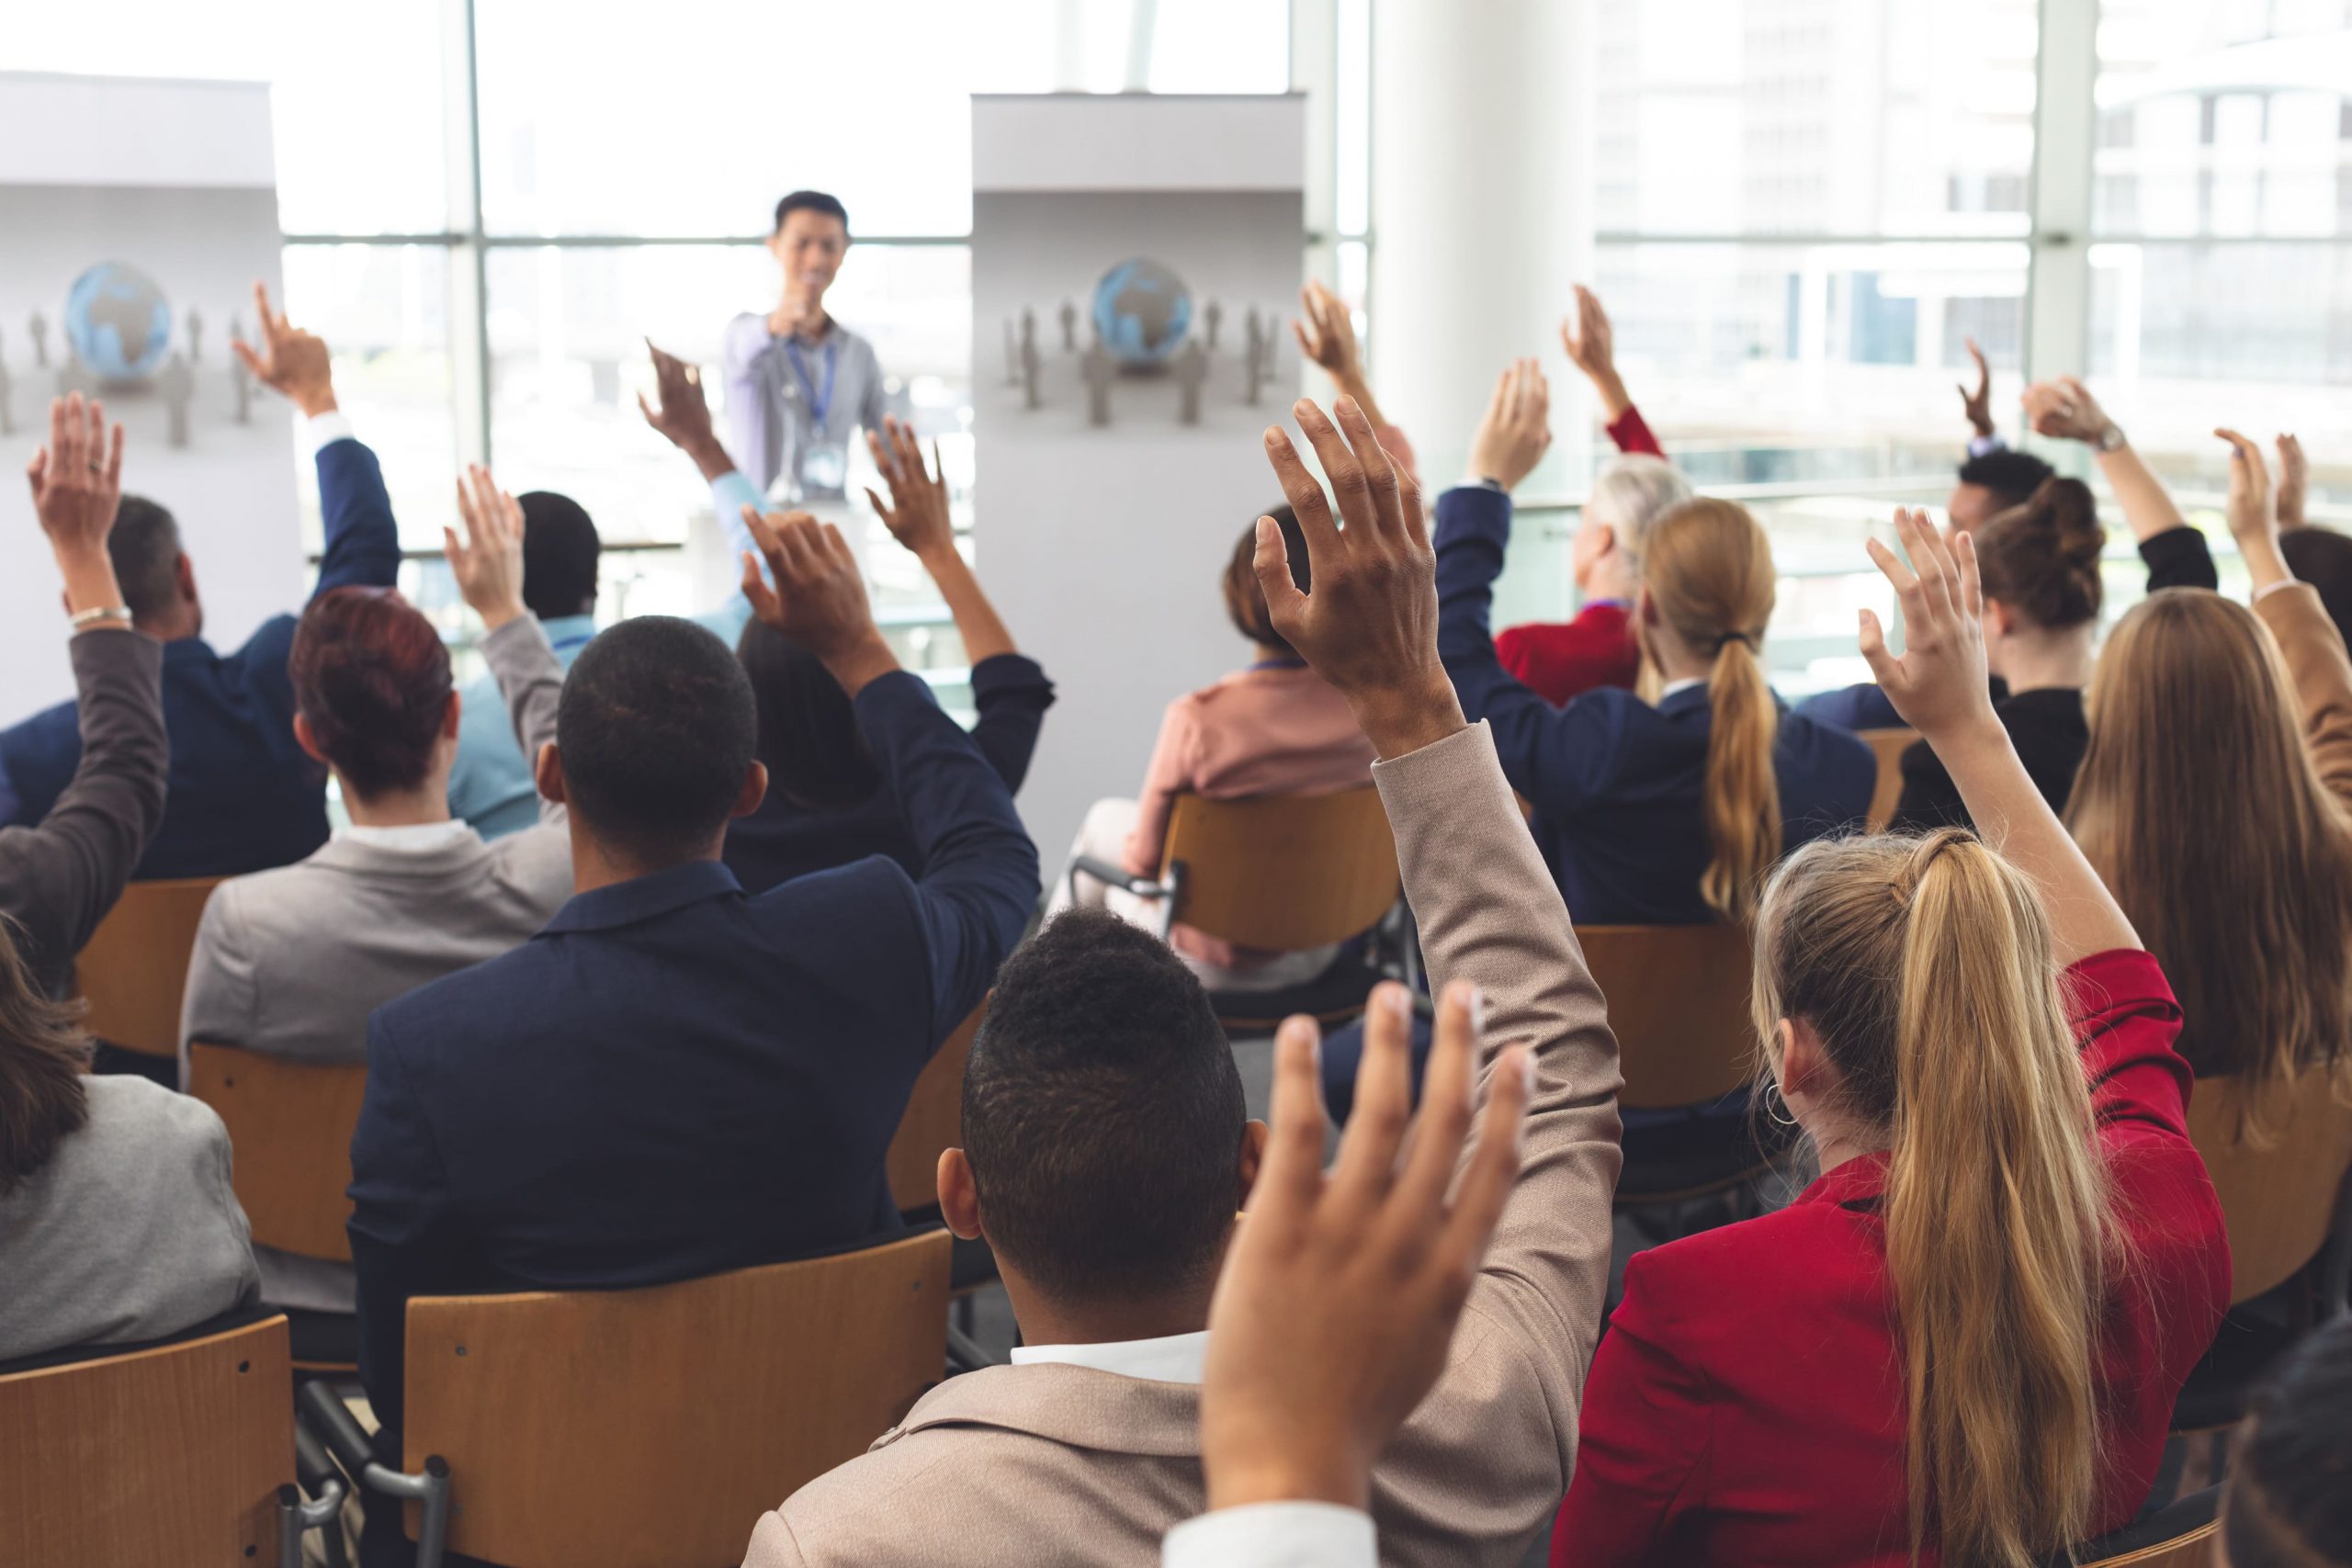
(2065, 131)
(1481, 211)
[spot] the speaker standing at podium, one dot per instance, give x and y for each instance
(798, 383)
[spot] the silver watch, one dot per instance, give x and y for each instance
(2109, 438)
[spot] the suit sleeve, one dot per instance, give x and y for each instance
(1490, 914)
(362, 542)
(1556, 757)
(1631, 433)
(57, 879)
(1644, 1440)
(2322, 677)
(2178, 558)
(1164, 778)
(979, 876)
(1012, 694)
(530, 682)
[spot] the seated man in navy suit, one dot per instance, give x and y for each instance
(674, 1078)
(243, 798)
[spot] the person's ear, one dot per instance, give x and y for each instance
(1805, 1071)
(1604, 539)
(1253, 1154)
(453, 716)
(184, 574)
(755, 790)
(1999, 618)
(547, 771)
(308, 738)
(959, 1195)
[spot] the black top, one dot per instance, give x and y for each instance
(781, 840)
(2047, 727)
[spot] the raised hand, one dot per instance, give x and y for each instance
(1339, 1299)
(1516, 430)
(1368, 626)
(76, 483)
(2253, 514)
(488, 563)
(918, 517)
(2064, 408)
(1591, 346)
(2294, 481)
(818, 600)
(1326, 332)
(1978, 405)
(1939, 686)
(684, 417)
(292, 361)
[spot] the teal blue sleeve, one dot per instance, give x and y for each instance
(730, 493)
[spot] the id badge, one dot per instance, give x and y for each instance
(824, 467)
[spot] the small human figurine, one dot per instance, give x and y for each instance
(40, 325)
(1191, 369)
(177, 382)
(1212, 316)
(1069, 328)
(195, 336)
(1253, 351)
(238, 377)
(1029, 371)
(1099, 369)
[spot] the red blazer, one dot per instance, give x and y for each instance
(1746, 1405)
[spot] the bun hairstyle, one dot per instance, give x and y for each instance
(372, 678)
(2040, 558)
(1926, 968)
(1245, 602)
(1708, 569)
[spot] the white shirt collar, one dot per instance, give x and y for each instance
(1178, 1357)
(1682, 685)
(411, 838)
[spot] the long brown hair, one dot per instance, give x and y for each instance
(1708, 568)
(2200, 807)
(43, 1057)
(1926, 968)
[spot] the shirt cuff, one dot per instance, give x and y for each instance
(1273, 1535)
(326, 429)
(730, 493)
(1980, 445)
(2267, 590)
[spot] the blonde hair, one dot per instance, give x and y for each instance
(1708, 568)
(1926, 968)
(2200, 806)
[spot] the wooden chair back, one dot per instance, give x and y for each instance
(2278, 1194)
(2194, 1549)
(289, 1124)
(133, 970)
(933, 1121)
(1283, 871)
(1887, 746)
(1678, 1001)
(646, 1428)
(172, 1454)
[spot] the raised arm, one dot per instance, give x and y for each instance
(488, 566)
(59, 878)
(2065, 409)
(2307, 635)
(362, 542)
(1326, 330)
(918, 518)
(1591, 344)
(1977, 406)
(1939, 687)
(682, 418)
(2294, 482)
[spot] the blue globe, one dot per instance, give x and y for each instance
(1143, 312)
(119, 321)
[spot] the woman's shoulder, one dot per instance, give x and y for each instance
(128, 1112)
(1717, 1287)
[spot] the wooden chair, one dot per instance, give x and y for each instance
(289, 1124)
(933, 1120)
(2178, 1534)
(133, 970)
(163, 1455)
(1888, 746)
(1279, 873)
(648, 1428)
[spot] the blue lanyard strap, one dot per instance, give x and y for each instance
(820, 403)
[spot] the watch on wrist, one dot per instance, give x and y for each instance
(2109, 438)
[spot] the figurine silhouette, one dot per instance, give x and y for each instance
(1069, 328)
(1211, 317)
(40, 325)
(1098, 368)
(177, 382)
(195, 336)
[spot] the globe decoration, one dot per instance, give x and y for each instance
(119, 321)
(1143, 312)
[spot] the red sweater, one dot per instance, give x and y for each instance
(1746, 1404)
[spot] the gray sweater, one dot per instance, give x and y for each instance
(130, 1232)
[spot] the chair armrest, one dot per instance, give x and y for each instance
(1116, 876)
(297, 1518)
(317, 1408)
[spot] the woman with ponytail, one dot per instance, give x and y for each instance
(1666, 815)
(1962, 1344)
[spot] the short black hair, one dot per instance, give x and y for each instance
(816, 754)
(656, 731)
(2012, 476)
(2289, 1498)
(810, 201)
(2323, 558)
(145, 548)
(1103, 1116)
(559, 552)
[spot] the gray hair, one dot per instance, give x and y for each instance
(1633, 492)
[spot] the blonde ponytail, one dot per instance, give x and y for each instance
(1708, 568)
(1926, 968)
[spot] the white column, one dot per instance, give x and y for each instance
(1481, 210)
(2065, 127)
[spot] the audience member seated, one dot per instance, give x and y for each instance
(290, 962)
(826, 804)
(673, 1078)
(1106, 1151)
(62, 874)
(1326, 336)
(1274, 727)
(1652, 815)
(243, 794)
(2289, 1500)
(1964, 1339)
(1599, 647)
(2211, 801)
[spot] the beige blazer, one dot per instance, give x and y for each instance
(1052, 1463)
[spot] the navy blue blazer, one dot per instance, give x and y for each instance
(675, 1078)
(781, 840)
(1616, 784)
(244, 796)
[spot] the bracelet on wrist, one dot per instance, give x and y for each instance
(98, 613)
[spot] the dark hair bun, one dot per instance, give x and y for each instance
(2041, 558)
